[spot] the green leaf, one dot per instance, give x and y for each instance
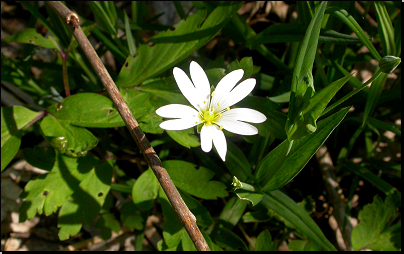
(129, 37)
(174, 46)
(85, 203)
(40, 157)
(107, 223)
(302, 87)
(237, 163)
(185, 137)
(35, 12)
(389, 63)
(13, 121)
(312, 109)
(264, 242)
(277, 168)
(130, 218)
(185, 175)
(231, 213)
(375, 230)
(203, 218)
(67, 139)
(94, 110)
(47, 192)
(346, 18)
(383, 125)
(369, 176)
(373, 96)
(253, 196)
(229, 217)
(303, 245)
(145, 190)
(246, 63)
(294, 33)
(105, 15)
(173, 230)
(275, 123)
(290, 211)
(30, 36)
(245, 191)
(110, 44)
(385, 28)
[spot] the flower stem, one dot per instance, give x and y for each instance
(64, 71)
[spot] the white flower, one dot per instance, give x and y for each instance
(212, 109)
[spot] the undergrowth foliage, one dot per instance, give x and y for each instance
(306, 89)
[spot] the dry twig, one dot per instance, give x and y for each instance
(335, 195)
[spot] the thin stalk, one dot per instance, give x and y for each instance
(64, 71)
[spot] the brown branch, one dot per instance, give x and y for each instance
(335, 195)
(184, 214)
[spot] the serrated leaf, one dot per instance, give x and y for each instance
(264, 242)
(374, 230)
(185, 175)
(68, 139)
(130, 218)
(145, 190)
(175, 46)
(47, 192)
(13, 120)
(94, 110)
(281, 166)
(40, 157)
(246, 63)
(107, 223)
(30, 36)
(85, 203)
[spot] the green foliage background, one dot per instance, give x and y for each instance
(255, 200)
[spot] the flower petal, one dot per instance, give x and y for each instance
(237, 94)
(179, 124)
(237, 127)
(244, 114)
(225, 85)
(186, 87)
(201, 83)
(219, 141)
(206, 138)
(176, 111)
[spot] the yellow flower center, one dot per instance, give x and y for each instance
(209, 116)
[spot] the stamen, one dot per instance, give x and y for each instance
(218, 104)
(221, 127)
(212, 93)
(228, 108)
(219, 115)
(204, 102)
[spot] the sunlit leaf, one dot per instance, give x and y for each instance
(13, 120)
